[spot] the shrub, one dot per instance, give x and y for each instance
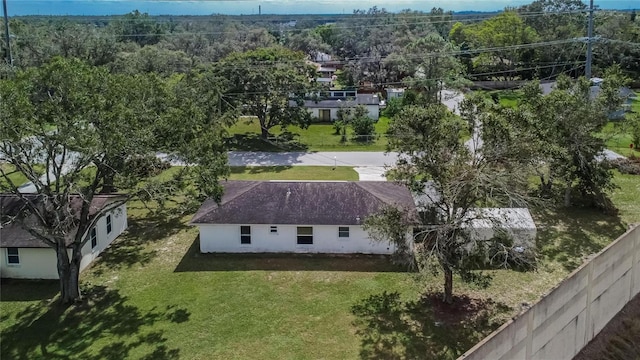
(147, 166)
(393, 107)
(363, 127)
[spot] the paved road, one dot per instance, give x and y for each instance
(451, 99)
(351, 158)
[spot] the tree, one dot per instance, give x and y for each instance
(270, 84)
(564, 126)
(83, 126)
(453, 182)
(138, 27)
(431, 67)
(501, 33)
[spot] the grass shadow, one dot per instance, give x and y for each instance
(571, 235)
(194, 261)
(131, 248)
(28, 290)
(103, 326)
(424, 329)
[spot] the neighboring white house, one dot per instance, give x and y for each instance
(394, 93)
(327, 109)
(485, 223)
(296, 217)
(25, 257)
(628, 96)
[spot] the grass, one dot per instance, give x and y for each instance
(152, 295)
(617, 139)
(293, 173)
(245, 135)
(16, 177)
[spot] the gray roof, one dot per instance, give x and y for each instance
(302, 202)
(14, 234)
(361, 99)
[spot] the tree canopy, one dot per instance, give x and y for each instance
(74, 131)
(264, 82)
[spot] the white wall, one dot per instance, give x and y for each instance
(373, 112)
(40, 263)
(315, 112)
(226, 239)
(119, 224)
(35, 263)
(565, 320)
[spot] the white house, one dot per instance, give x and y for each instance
(485, 223)
(26, 257)
(327, 109)
(394, 93)
(296, 217)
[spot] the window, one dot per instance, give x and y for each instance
(305, 235)
(343, 231)
(273, 230)
(13, 257)
(245, 234)
(109, 227)
(94, 238)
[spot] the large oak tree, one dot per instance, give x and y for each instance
(87, 129)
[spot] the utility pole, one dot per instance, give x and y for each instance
(587, 69)
(6, 33)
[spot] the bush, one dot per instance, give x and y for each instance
(337, 127)
(147, 166)
(363, 127)
(394, 106)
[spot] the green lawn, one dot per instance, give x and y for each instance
(15, 176)
(245, 135)
(618, 140)
(293, 173)
(152, 295)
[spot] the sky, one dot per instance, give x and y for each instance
(236, 7)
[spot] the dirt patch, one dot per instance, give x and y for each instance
(462, 309)
(620, 337)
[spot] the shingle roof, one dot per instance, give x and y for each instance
(14, 234)
(361, 99)
(302, 203)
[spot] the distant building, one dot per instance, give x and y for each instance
(324, 106)
(394, 93)
(625, 93)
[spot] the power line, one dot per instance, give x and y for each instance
(337, 18)
(291, 30)
(578, 63)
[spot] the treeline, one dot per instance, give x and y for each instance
(540, 40)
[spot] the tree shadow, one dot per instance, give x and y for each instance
(259, 169)
(254, 142)
(105, 325)
(131, 248)
(194, 261)
(28, 290)
(571, 235)
(424, 329)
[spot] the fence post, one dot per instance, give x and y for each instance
(529, 341)
(634, 264)
(588, 319)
